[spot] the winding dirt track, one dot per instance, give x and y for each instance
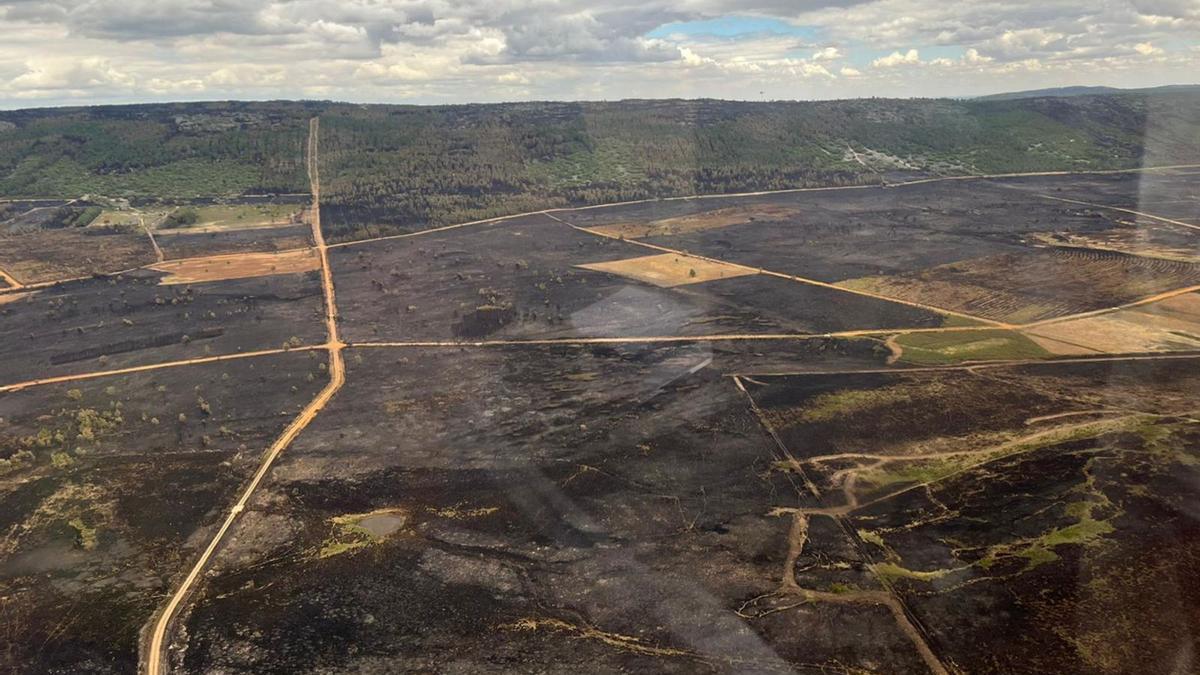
(906, 621)
(155, 652)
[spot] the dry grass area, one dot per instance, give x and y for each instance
(237, 266)
(697, 222)
(1041, 284)
(131, 217)
(242, 217)
(53, 255)
(670, 269)
(1172, 324)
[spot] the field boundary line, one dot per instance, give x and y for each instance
(982, 365)
(155, 652)
(565, 209)
(764, 193)
(811, 282)
(59, 379)
(1143, 214)
(1148, 300)
(651, 339)
(13, 284)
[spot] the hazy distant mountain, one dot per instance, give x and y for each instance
(1084, 91)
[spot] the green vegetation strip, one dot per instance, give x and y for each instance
(988, 344)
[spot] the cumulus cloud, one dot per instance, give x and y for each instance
(437, 50)
(894, 59)
(88, 73)
(827, 54)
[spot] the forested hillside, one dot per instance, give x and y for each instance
(388, 169)
(177, 150)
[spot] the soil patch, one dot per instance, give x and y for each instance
(241, 266)
(669, 269)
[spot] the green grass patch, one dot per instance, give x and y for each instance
(893, 571)
(1087, 531)
(231, 216)
(836, 404)
(958, 346)
(349, 533)
(85, 535)
(917, 471)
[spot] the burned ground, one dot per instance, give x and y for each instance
(50, 255)
(1036, 285)
(645, 495)
(521, 279)
(130, 320)
(617, 500)
(832, 235)
(1037, 517)
(183, 244)
(108, 487)
(1167, 193)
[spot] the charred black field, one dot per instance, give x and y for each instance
(930, 424)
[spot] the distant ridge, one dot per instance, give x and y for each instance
(1086, 91)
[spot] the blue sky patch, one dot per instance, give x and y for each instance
(732, 27)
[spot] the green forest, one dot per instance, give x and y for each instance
(178, 150)
(392, 168)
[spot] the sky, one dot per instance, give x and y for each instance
(78, 52)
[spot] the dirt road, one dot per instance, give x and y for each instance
(789, 277)
(763, 193)
(13, 284)
(155, 657)
(158, 252)
(1169, 221)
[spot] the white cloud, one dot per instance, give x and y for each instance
(88, 73)
(1147, 49)
(463, 50)
(894, 59)
(827, 54)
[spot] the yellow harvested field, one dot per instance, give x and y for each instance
(698, 222)
(670, 269)
(1172, 324)
(237, 266)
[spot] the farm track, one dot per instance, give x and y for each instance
(158, 252)
(13, 284)
(972, 367)
(789, 277)
(764, 193)
(155, 651)
(16, 287)
(905, 619)
(1161, 219)
(18, 386)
